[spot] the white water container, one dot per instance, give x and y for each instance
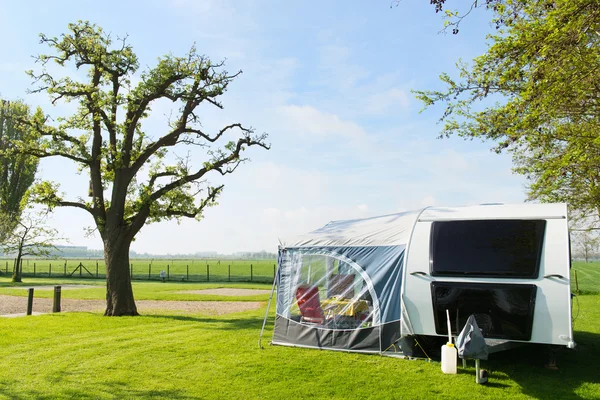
(449, 358)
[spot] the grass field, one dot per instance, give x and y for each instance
(195, 270)
(87, 356)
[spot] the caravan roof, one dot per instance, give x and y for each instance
(395, 229)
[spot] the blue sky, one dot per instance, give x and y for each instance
(328, 81)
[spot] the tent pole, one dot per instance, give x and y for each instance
(262, 330)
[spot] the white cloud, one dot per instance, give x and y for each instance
(354, 86)
(297, 214)
(339, 67)
(428, 200)
(307, 120)
(272, 212)
(450, 161)
(389, 101)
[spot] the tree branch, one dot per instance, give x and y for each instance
(154, 177)
(212, 195)
(76, 205)
(218, 164)
(135, 110)
(44, 154)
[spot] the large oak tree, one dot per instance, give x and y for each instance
(132, 181)
(536, 93)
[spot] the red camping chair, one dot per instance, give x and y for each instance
(310, 304)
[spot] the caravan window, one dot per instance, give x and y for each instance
(496, 248)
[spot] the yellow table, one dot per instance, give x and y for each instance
(344, 307)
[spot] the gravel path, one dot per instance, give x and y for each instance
(17, 304)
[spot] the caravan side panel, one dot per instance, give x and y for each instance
(534, 308)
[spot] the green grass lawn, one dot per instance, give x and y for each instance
(87, 356)
(588, 277)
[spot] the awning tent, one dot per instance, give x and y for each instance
(339, 287)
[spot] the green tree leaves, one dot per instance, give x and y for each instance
(535, 93)
(17, 171)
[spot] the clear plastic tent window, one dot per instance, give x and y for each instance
(339, 297)
(330, 291)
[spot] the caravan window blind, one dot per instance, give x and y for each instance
(487, 248)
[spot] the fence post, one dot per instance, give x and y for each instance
(168, 272)
(576, 283)
(7, 268)
(56, 303)
(29, 301)
(50, 271)
(149, 270)
(207, 273)
(65, 268)
(229, 273)
(96, 269)
(33, 267)
(274, 271)
(251, 272)
(187, 272)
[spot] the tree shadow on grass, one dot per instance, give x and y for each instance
(99, 390)
(225, 323)
(525, 366)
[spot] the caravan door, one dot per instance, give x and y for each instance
(509, 269)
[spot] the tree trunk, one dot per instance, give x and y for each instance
(18, 269)
(119, 293)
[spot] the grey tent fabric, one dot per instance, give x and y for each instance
(470, 342)
(339, 297)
